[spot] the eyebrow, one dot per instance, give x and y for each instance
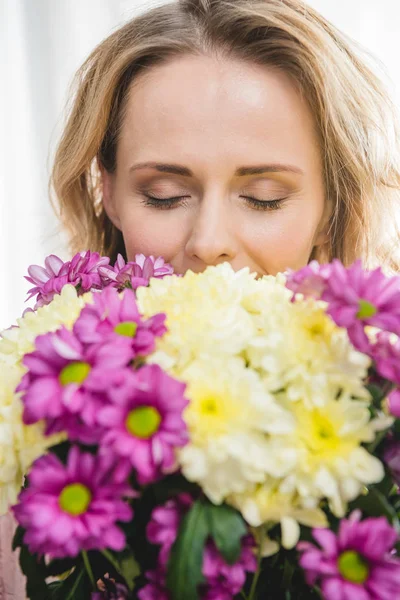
(240, 172)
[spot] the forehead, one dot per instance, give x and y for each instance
(228, 109)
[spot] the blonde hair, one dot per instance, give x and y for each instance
(356, 121)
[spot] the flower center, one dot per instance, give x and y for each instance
(143, 422)
(126, 328)
(209, 406)
(353, 567)
(365, 309)
(75, 499)
(75, 372)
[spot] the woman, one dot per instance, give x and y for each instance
(270, 142)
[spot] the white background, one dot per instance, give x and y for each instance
(42, 43)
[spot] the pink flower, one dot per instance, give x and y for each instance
(144, 423)
(357, 563)
(223, 581)
(394, 403)
(66, 381)
(114, 318)
(163, 526)
(386, 355)
(309, 281)
(356, 297)
(82, 272)
(391, 457)
(74, 507)
(135, 273)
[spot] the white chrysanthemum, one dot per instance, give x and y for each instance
(20, 444)
(204, 313)
(231, 421)
(331, 461)
(64, 309)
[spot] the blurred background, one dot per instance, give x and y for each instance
(42, 43)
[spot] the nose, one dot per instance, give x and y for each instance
(212, 238)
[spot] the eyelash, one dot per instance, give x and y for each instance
(165, 203)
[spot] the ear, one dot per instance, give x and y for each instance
(109, 201)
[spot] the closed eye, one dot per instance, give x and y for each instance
(165, 203)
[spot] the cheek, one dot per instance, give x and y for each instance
(151, 233)
(281, 240)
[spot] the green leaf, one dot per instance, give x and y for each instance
(378, 394)
(186, 559)
(374, 504)
(227, 527)
(75, 587)
(124, 563)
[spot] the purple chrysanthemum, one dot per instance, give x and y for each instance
(135, 273)
(82, 272)
(144, 423)
(309, 281)
(223, 581)
(74, 507)
(114, 317)
(357, 563)
(391, 457)
(386, 355)
(163, 526)
(356, 297)
(66, 381)
(394, 403)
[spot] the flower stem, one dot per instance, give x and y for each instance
(88, 569)
(111, 560)
(257, 573)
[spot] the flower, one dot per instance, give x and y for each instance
(266, 503)
(394, 403)
(391, 457)
(20, 445)
(74, 507)
(223, 581)
(113, 317)
(386, 354)
(358, 298)
(204, 314)
(356, 563)
(82, 272)
(143, 422)
(163, 526)
(64, 309)
(232, 421)
(65, 379)
(135, 273)
(331, 461)
(310, 281)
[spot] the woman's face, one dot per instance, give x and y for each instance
(201, 139)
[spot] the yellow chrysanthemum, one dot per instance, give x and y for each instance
(64, 309)
(230, 420)
(331, 460)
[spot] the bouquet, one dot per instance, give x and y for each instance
(207, 436)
